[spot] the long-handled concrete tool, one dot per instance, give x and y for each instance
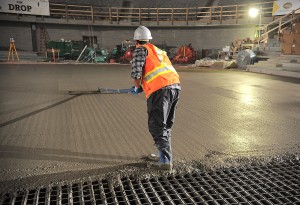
(100, 91)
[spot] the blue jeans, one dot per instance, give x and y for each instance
(161, 107)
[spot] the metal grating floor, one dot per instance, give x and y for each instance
(275, 183)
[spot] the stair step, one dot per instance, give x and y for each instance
(272, 49)
(274, 71)
(275, 68)
(280, 64)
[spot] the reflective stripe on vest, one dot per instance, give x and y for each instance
(162, 69)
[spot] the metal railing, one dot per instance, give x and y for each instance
(193, 14)
(279, 24)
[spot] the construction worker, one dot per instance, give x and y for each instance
(153, 73)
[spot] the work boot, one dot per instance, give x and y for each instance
(161, 166)
(153, 157)
(164, 161)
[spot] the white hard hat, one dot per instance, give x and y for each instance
(142, 33)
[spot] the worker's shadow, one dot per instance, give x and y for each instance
(58, 173)
(29, 153)
(37, 111)
(106, 164)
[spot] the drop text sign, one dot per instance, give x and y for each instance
(31, 7)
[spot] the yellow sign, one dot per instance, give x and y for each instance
(283, 7)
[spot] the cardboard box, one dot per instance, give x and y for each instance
(296, 49)
(296, 28)
(287, 38)
(238, 42)
(226, 49)
(286, 48)
(296, 38)
(295, 52)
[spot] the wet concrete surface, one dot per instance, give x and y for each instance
(224, 118)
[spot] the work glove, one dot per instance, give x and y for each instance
(136, 90)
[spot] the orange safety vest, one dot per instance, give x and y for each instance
(158, 71)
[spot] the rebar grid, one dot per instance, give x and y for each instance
(266, 184)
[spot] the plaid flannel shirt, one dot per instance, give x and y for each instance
(138, 62)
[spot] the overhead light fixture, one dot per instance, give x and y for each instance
(253, 12)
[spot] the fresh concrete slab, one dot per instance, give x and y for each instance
(48, 136)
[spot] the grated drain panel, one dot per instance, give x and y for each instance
(275, 183)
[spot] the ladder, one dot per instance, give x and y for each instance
(43, 37)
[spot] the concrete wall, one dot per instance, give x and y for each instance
(199, 37)
(202, 37)
(107, 37)
(20, 31)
